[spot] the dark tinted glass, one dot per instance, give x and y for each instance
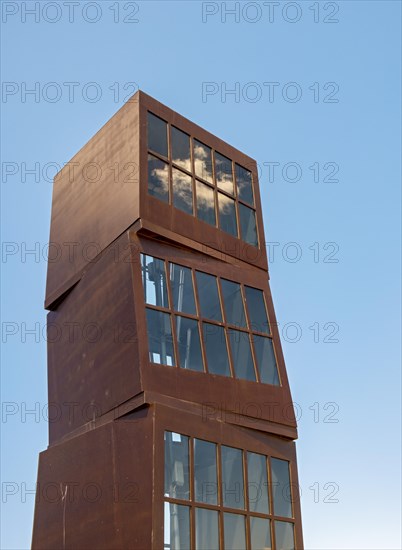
(233, 303)
(216, 350)
(154, 281)
(205, 480)
(266, 362)
(205, 203)
(158, 178)
(188, 340)
(281, 489)
(241, 355)
(182, 191)
(257, 483)
(227, 214)
(202, 161)
(235, 532)
(181, 283)
(223, 173)
(244, 185)
(256, 309)
(284, 535)
(160, 339)
(157, 135)
(232, 477)
(176, 466)
(248, 228)
(181, 148)
(208, 296)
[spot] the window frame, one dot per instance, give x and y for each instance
(213, 185)
(246, 512)
(227, 327)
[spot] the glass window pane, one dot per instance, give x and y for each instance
(202, 161)
(227, 214)
(182, 191)
(181, 148)
(154, 281)
(232, 477)
(284, 536)
(244, 185)
(224, 173)
(260, 531)
(176, 466)
(215, 349)
(205, 480)
(257, 483)
(233, 303)
(158, 178)
(188, 339)
(256, 309)
(205, 203)
(281, 489)
(160, 339)
(248, 225)
(235, 532)
(177, 527)
(266, 362)
(241, 355)
(208, 296)
(206, 529)
(181, 283)
(157, 135)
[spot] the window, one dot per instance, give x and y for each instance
(224, 174)
(188, 341)
(158, 178)
(284, 534)
(205, 203)
(182, 191)
(241, 354)
(205, 472)
(222, 493)
(216, 350)
(154, 281)
(248, 228)
(182, 289)
(244, 185)
(208, 296)
(202, 183)
(160, 340)
(233, 300)
(256, 309)
(265, 357)
(202, 161)
(227, 214)
(281, 488)
(199, 322)
(157, 135)
(181, 149)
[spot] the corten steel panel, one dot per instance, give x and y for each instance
(167, 419)
(98, 346)
(92, 344)
(108, 501)
(95, 198)
(103, 190)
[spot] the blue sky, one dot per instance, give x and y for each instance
(315, 90)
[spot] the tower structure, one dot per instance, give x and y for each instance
(170, 415)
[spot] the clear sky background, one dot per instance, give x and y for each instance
(336, 264)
